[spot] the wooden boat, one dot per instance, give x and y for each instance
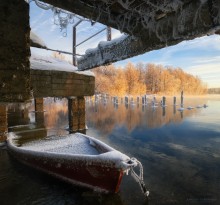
(75, 158)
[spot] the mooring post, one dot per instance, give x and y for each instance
(154, 101)
(174, 101)
(138, 100)
(164, 111)
(174, 110)
(143, 100)
(146, 99)
(164, 101)
(126, 100)
(181, 114)
(3, 122)
(39, 110)
(181, 98)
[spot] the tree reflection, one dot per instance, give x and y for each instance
(106, 116)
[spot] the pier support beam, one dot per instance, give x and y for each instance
(39, 110)
(14, 51)
(76, 109)
(3, 122)
(82, 113)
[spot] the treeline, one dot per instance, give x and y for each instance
(141, 78)
(214, 90)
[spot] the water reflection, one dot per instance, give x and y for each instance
(180, 152)
(131, 115)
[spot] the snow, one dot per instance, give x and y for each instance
(71, 148)
(74, 144)
(2, 144)
(40, 62)
(103, 44)
(37, 40)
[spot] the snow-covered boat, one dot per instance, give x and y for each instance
(75, 158)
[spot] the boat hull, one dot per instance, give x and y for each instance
(99, 177)
(100, 172)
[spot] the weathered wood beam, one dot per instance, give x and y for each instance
(82, 8)
(194, 20)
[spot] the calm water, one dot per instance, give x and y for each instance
(180, 152)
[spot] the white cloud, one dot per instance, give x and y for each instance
(208, 72)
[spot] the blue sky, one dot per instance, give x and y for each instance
(200, 56)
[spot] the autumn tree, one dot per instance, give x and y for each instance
(58, 55)
(150, 78)
(134, 84)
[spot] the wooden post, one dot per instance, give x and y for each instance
(73, 114)
(76, 109)
(174, 100)
(146, 101)
(164, 111)
(154, 101)
(3, 122)
(164, 101)
(81, 113)
(138, 100)
(143, 100)
(39, 110)
(126, 100)
(181, 99)
(174, 110)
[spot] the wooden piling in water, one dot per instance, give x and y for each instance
(138, 100)
(181, 104)
(143, 100)
(76, 113)
(174, 100)
(81, 113)
(3, 122)
(39, 110)
(164, 101)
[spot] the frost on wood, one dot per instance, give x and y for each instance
(160, 24)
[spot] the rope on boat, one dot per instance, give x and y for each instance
(139, 178)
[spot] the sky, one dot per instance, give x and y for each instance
(200, 57)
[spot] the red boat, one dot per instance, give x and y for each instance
(75, 158)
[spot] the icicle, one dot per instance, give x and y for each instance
(62, 18)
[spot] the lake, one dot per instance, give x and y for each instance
(180, 152)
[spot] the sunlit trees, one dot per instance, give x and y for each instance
(146, 78)
(133, 79)
(119, 84)
(58, 55)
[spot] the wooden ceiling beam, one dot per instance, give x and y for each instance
(193, 21)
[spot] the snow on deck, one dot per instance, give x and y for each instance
(71, 144)
(46, 62)
(37, 40)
